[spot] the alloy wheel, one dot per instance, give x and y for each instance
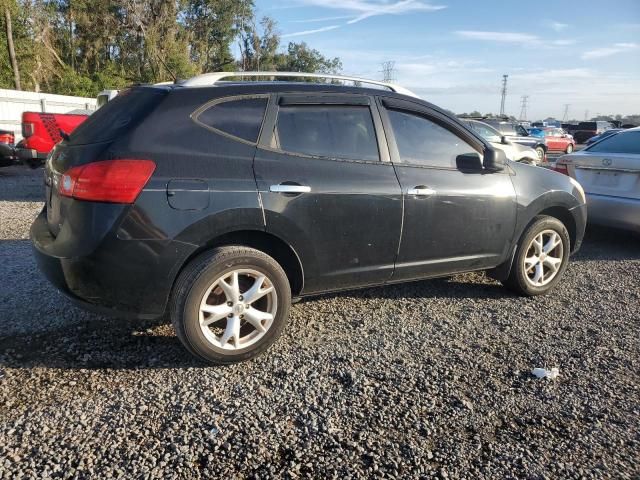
(238, 309)
(543, 258)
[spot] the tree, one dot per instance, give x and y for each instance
(11, 47)
(301, 58)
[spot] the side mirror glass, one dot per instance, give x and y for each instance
(494, 160)
(470, 162)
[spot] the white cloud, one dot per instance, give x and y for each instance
(322, 19)
(608, 51)
(557, 26)
(501, 37)
(363, 9)
(309, 32)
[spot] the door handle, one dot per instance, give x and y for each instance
(282, 188)
(421, 191)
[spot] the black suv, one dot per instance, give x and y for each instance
(217, 205)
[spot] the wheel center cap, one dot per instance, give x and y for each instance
(542, 257)
(238, 308)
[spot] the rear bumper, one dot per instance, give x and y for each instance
(126, 278)
(615, 212)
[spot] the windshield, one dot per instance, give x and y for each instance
(487, 132)
(624, 142)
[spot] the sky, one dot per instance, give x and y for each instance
(584, 53)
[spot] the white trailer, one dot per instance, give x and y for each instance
(14, 102)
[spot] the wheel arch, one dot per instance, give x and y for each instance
(564, 215)
(268, 243)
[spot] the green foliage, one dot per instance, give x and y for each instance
(80, 47)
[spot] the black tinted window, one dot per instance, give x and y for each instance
(625, 142)
(241, 118)
(334, 131)
(423, 142)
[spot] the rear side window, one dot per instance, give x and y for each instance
(117, 116)
(625, 142)
(333, 131)
(423, 142)
(240, 118)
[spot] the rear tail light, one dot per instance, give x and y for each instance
(562, 168)
(27, 129)
(112, 181)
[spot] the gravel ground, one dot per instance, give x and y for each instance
(430, 379)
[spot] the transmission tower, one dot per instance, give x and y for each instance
(504, 93)
(565, 116)
(388, 71)
(523, 107)
(586, 115)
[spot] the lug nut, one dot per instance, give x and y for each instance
(240, 298)
(230, 315)
(229, 304)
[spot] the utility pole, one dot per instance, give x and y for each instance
(388, 71)
(523, 107)
(565, 116)
(504, 93)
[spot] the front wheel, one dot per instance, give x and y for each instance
(540, 151)
(230, 304)
(541, 257)
(569, 148)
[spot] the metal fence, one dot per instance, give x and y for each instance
(14, 102)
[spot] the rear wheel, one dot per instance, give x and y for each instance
(569, 148)
(541, 257)
(230, 304)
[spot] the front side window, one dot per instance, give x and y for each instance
(625, 142)
(331, 131)
(423, 142)
(240, 118)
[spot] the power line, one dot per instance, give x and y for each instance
(504, 93)
(388, 70)
(523, 107)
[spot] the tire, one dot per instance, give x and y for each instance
(200, 285)
(520, 277)
(569, 148)
(541, 152)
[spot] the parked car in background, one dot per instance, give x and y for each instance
(7, 150)
(604, 134)
(41, 131)
(536, 132)
(218, 202)
(557, 140)
(516, 133)
(609, 172)
(514, 151)
(585, 130)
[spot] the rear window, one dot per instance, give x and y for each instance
(240, 118)
(118, 115)
(587, 126)
(332, 131)
(625, 142)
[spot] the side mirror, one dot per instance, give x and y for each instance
(494, 160)
(470, 162)
(503, 140)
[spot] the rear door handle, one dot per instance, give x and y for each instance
(289, 188)
(421, 191)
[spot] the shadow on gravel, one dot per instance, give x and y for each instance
(21, 184)
(603, 243)
(103, 343)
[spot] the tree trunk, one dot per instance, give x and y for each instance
(12, 50)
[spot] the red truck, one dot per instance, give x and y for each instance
(41, 131)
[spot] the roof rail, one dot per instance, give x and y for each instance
(214, 77)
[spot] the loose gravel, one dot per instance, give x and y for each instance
(429, 379)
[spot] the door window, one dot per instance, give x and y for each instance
(332, 131)
(423, 142)
(240, 118)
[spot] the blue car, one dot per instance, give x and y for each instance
(536, 132)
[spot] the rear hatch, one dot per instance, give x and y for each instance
(90, 143)
(610, 167)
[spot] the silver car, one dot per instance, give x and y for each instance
(609, 172)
